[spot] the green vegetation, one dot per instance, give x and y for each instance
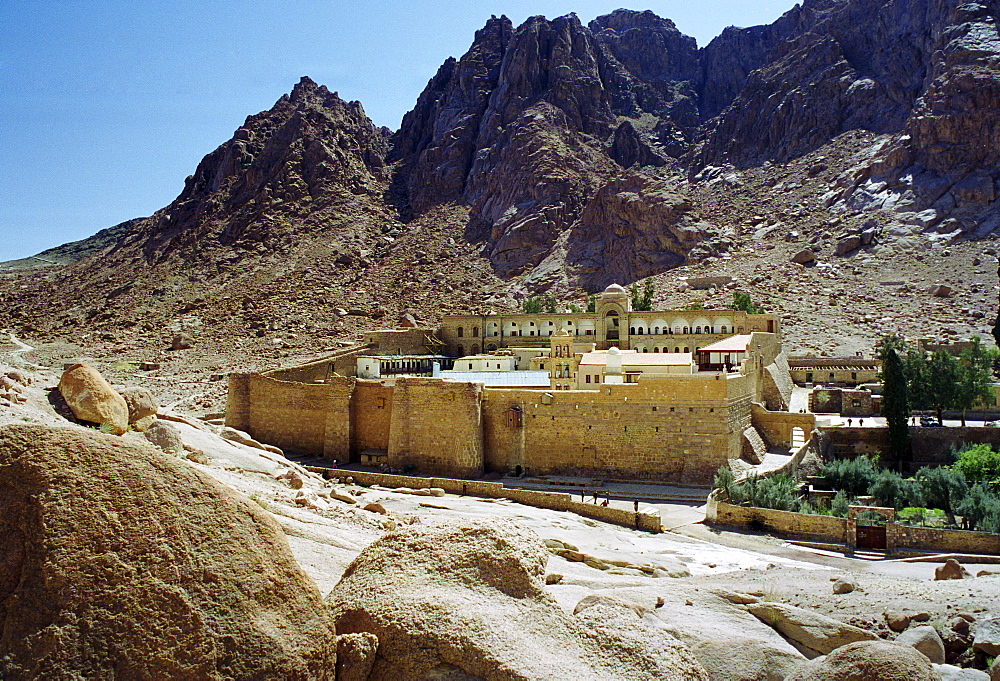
(532, 305)
(935, 496)
(575, 309)
(895, 399)
(938, 380)
(979, 464)
(742, 301)
(694, 306)
(854, 476)
(592, 303)
(643, 301)
(550, 305)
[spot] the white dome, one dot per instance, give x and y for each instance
(614, 351)
(615, 288)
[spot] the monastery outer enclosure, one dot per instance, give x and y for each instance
(679, 428)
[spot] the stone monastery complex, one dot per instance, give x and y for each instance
(666, 395)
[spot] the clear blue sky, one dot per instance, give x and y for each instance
(105, 107)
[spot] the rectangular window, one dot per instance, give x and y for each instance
(588, 378)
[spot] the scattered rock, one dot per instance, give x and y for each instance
(948, 672)
(165, 436)
(292, 478)
(848, 244)
(804, 256)
(92, 399)
(182, 341)
(376, 507)
(926, 640)
(951, 569)
(843, 585)
(867, 660)
(736, 597)
(553, 578)
(141, 403)
(897, 621)
(987, 636)
(940, 291)
(177, 574)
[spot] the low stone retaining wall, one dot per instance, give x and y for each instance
(794, 525)
(837, 530)
(556, 501)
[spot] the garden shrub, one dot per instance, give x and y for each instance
(851, 475)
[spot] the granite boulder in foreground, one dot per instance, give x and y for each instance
(468, 600)
(118, 561)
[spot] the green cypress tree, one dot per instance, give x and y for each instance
(896, 407)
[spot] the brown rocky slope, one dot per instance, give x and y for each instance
(556, 158)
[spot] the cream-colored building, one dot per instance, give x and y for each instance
(626, 366)
(612, 324)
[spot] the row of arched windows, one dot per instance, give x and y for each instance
(640, 331)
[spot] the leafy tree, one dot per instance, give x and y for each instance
(592, 303)
(550, 305)
(742, 301)
(643, 301)
(933, 381)
(980, 508)
(975, 380)
(942, 488)
(531, 305)
(979, 463)
(695, 306)
(854, 476)
(574, 308)
(840, 503)
(892, 489)
(895, 404)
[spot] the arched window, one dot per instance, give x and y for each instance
(687, 349)
(687, 330)
(475, 349)
(655, 349)
(459, 332)
(724, 330)
(645, 350)
(697, 329)
(677, 349)
(475, 332)
(461, 351)
(631, 330)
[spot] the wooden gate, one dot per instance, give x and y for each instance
(871, 537)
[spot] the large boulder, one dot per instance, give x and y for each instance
(117, 561)
(809, 630)
(468, 600)
(867, 661)
(92, 399)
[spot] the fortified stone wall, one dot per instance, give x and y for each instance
(371, 416)
(930, 446)
(680, 429)
(289, 415)
(776, 426)
(437, 426)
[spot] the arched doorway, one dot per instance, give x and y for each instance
(611, 325)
